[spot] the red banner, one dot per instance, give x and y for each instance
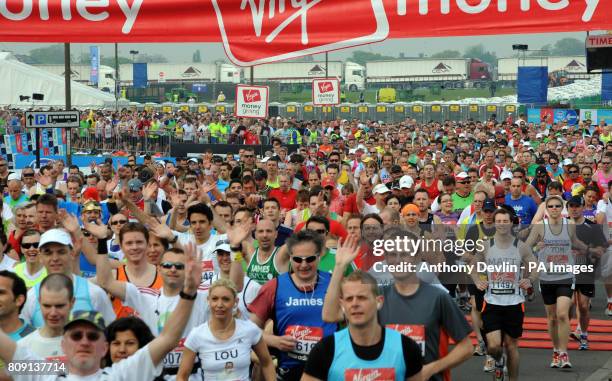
(259, 31)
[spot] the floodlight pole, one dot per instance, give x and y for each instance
(68, 92)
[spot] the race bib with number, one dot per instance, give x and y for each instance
(173, 358)
(556, 259)
(414, 331)
(208, 271)
(373, 374)
(306, 337)
(502, 283)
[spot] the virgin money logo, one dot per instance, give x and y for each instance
(325, 87)
(250, 95)
(371, 374)
(281, 29)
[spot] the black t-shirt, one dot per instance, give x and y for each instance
(473, 232)
(591, 234)
(322, 355)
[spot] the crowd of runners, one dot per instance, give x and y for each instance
(329, 262)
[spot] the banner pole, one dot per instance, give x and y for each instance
(67, 90)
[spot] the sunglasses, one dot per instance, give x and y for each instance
(29, 245)
(91, 335)
(28, 175)
(169, 265)
(248, 156)
(120, 222)
(570, 172)
(554, 162)
(320, 231)
(86, 233)
(299, 260)
(555, 206)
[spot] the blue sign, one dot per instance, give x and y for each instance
(94, 52)
(41, 120)
(23, 161)
(568, 115)
(199, 88)
(533, 115)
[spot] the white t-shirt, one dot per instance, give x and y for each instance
(155, 310)
(228, 359)
(139, 366)
(97, 296)
(210, 266)
(7, 263)
(49, 348)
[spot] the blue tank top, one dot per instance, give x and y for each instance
(346, 365)
(82, 300)
(88, 270)
(298, 314)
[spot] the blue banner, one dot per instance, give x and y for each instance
(532, 86)
(140, 79)
(94, 53)
(533, 115)
(22, 161)
(606, 86)
(568, 115)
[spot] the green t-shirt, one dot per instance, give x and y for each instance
(531, 171)
(328, 262)
(460, 203)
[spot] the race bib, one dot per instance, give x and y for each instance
(414, 331)
(373, 374)
(556, 259)
(208, 271)
(173, 358)
(502, 283)
(306, 337)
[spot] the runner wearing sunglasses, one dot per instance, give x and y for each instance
(32, 270)
(85, 345)
(555, 237)
(294, 302)
(154, 308)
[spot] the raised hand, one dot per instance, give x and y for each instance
(193, 269)
(68, 221)
(98, 229)
(347, 251)
(238, 233)
(149, 190)
(160, 230)
(112, 185)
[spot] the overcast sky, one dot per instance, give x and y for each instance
(179, 53)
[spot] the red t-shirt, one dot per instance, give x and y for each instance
(250, 138)
(350, 204)
(287, 200)
(335, 228)
(567, 183)
(496, 171)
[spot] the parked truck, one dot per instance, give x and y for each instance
(423, 72)
(562, 70)
(81, 73)
(290, 74)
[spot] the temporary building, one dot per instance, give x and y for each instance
(19, 79)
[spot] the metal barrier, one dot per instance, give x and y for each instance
(150, 142)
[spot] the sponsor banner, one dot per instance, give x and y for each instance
(29, 160)
(533, 115)
(251, 101)
(260, 31)
(567, 115)
(94, 52)
(325, 91)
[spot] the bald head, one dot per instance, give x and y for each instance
(265, 233)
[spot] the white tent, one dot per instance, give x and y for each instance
(17, 78)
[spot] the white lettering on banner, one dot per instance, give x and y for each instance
(502, 6)
(85, 8)
(257, 13)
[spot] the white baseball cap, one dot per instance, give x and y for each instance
(406, 182)
(55, 236)
(506, 175)
(223, 247)
(381, 189)
(567, 162)
(461, 175)
(13, 176)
